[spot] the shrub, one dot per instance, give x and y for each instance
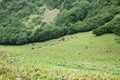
(110, 27)
(73, 15)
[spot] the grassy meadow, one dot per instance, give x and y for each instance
(81, 56)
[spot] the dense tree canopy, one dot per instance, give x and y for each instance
(101, 16)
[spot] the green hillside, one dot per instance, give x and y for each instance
(75, 57)
(59, 39)
(17, 26)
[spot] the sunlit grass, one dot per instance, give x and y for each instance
(79, 56)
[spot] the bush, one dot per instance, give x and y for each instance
(95, 22)
(49, 32)
(10, 35)
(73, 15)
(110, 27)
(102, 30)
(77, 27)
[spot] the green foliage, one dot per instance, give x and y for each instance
(35, 22)
(10, 35)
(110, 27)
(71, 16)
(77, 27)
(104, 29)
(98, 20)
(49, 32)
(53, 3)
(75, 16)
(62, 4)
(68, 4)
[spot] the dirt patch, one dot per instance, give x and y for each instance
(50, 15)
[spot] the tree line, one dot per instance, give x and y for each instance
(101, 16)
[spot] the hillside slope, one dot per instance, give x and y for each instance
(73, 57)
(17, 27)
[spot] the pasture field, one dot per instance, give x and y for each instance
(81, 56)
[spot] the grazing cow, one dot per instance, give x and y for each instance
(32, 48)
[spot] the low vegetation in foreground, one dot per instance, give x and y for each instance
(81, 56)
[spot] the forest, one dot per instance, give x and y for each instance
(99, 16)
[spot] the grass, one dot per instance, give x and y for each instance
(79, 56)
